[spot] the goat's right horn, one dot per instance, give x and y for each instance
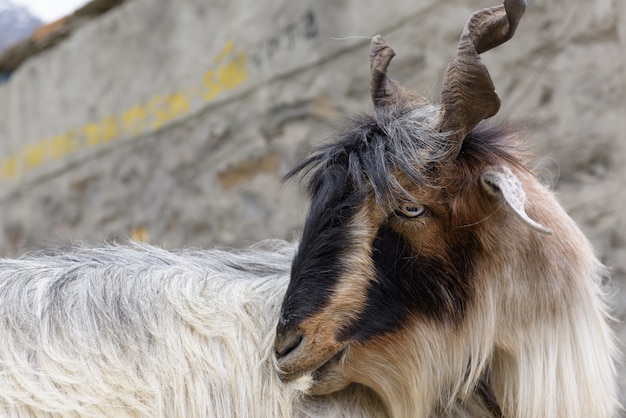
(468, 95)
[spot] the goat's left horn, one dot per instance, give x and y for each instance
(468, 95)
(384, 90)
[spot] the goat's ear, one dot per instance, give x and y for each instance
(504, 185)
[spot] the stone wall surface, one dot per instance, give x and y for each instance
(172, 122)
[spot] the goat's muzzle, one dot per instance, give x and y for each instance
(297, 355)
(287, 340)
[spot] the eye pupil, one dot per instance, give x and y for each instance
(410, 210)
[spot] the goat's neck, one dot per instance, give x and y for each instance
(426, 370)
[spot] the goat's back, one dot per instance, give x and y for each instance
(139, 331)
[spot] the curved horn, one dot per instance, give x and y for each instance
(386, 91)
(468, 95)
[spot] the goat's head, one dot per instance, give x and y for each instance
(402, 206)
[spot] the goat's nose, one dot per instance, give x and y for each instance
(287, 341)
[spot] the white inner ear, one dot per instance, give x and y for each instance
(505, 185)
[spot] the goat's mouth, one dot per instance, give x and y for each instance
(330, 365)
(326, 377)
(302, 361)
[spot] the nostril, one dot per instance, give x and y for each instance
(286, 342)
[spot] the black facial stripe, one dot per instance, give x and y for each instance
(435, 287)
(318, 264)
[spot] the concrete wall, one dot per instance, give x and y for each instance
(173, 121)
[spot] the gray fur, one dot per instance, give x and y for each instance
(125, 331)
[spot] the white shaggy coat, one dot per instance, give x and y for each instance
(136, 331)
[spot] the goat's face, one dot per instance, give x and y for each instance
(378, 253)
(366, 268)
(386, 248)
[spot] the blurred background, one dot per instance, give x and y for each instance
(172, 122)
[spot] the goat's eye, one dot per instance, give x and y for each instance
(410, 210)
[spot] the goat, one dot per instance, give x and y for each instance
(435, 267)
(421, 287)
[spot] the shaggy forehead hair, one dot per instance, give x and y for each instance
(371, 149)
